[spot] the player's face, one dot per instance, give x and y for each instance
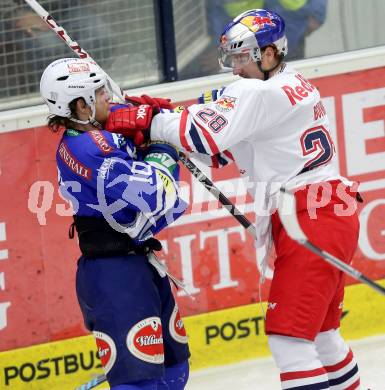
(248, 71)
(102, 104)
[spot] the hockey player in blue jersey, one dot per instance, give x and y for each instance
(122, 197)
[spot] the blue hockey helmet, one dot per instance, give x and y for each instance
(250, 32)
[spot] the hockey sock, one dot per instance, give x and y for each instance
(175, 377)
(338, 361)
(141, 385)
(298, 362)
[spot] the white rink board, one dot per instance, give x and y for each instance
(36, 115)
(261, 374)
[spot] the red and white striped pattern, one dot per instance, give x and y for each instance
(344, 375)
(315, 379)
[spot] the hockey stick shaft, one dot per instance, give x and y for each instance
(232, 209)
(226, 203)
(354, 273)
(81, 53)
(99, 379)
(288, 215)
(73, 45)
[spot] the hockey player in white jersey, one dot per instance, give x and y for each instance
(273, 124)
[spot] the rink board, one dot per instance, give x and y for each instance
(206, 248)
(216, 338)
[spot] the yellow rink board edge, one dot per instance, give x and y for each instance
(216, 338)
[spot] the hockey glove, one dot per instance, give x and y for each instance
(156, 103)
(131, 122)
(164, 154)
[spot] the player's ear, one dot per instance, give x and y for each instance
(270, 52)
(81, 106)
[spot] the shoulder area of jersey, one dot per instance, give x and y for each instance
(285, 70)
(244, 85)
(283, 76)
(97, 141)
(252, 89)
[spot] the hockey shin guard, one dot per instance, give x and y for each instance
(175, 377)
(142, 385)
(298, 362)
(338, 360)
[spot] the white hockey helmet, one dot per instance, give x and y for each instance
(248, 33)
(67, 79)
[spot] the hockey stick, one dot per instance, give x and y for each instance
(210, 186)
(288, 215)
(93, 382)
(195, 171)
(73, 45)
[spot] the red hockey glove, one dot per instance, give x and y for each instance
(156, 103)
(130, 122)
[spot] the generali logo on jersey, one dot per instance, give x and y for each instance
(176, 327)
(106, 350)
(100, 141)
(145, 341)
(73, 164)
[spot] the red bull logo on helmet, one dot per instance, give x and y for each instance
(255, 23)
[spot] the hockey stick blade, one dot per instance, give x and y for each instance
(287, 211)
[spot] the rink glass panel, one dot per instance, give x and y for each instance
(124, 38)
(121, 36)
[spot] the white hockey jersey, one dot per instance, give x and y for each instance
(276, 131)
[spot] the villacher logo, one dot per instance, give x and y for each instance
(176, 327)
(106, 350)
(145, 341)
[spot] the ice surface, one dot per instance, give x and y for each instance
(261, 374)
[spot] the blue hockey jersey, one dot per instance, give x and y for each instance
(104, 175)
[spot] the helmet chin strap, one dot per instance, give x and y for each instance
(95, 123)
(91, 120)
